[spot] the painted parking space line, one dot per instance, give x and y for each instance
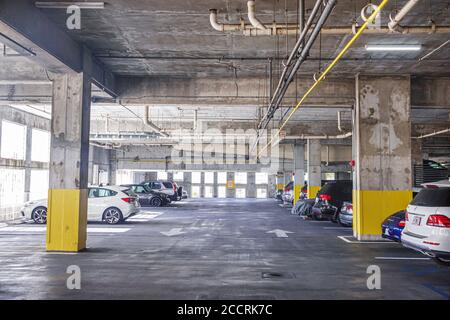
(345, 239)
(402, 258)
(144, 217)
(44, 229)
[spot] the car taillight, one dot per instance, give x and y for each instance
(438, 220)
(402, 223)
(325, 197)
(128, 200)
(349, 207)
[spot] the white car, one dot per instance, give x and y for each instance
(427, 228)
(109, 204)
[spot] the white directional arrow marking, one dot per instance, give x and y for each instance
(280, 233)
(173, 232)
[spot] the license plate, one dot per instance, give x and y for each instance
(416, 221)
(386, 232)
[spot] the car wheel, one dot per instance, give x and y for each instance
(39, 215)
(442, 262)
(112, 216)
(156, 202)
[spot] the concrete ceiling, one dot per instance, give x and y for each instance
(171, 37)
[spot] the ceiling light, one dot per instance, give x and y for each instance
(65, 5)
(396, 47)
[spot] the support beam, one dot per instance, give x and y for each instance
(382, 145)
(51, 47)
(314, 168)
(299, 170)
(69, 163)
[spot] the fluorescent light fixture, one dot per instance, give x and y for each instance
(393, 47)
(65, 5)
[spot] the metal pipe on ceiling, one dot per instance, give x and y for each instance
(394, 23)
(256, 23)
(432, 134)
(151, 125)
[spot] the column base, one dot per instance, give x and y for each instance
(67, 220)
(371, 208)
(312, 191)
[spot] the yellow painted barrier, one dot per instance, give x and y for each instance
(67, 220)
(280, 186)
(372, 207)
(312, 191)
(297, 191)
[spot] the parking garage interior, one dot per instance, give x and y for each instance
(233, 101)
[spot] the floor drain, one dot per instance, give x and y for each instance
(277, 275)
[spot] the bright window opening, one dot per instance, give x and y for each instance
(40, 145)
(261, 178)
(162, 175)
(12, 187)
(196, 177)
(39, 184)
(195, 193)
(124, 177)
(178, 176)
(261, 193)
(14, 140)
(221, 192)
(240, 193)
(240, 177)
(209, 192)
(209, 177)
(221, 177)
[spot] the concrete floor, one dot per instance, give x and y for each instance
(221, 253)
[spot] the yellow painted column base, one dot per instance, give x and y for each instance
(312, 191)
(67, 220)
(280, 186)
(371, 208)
(297, 191)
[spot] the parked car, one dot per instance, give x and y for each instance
(160, 187)
(393, 226)
(147, 197)
(185, 195)
(288, 193)
(109, 204)
(427, 227)
(345, 216)
(330, 198)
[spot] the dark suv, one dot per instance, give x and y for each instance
(330, 199)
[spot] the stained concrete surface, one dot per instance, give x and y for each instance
(221, 252)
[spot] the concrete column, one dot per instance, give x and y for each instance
(299, 170)
(216, 186)
(231, 185)
(202, 184)
(273, 185)
(69, 163)
(251, 185)
(417, 152)
(382, 135)
(279, 180)
(28, 163)
(187, 183)
(314, 168)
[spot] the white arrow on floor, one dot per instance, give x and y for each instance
(280, 233)
(173, 232)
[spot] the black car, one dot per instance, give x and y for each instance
(148, 197)
(330, 199)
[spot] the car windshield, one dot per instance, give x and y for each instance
(129, 192)
(432, 198)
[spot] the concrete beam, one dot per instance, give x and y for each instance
(25, 28)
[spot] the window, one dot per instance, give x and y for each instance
(196, 177)
(261, 193)
(209, 192)
(39, 184)
(261, 178)
(195, 192)
(101, 193)
(12, 188)
(40, 145)
(139, 189)
(124, 177)
(240, 177)
(209, 177)
(221, 177)
(155, 185)
(240, 193)
(222, 192)
(432, 198)
(329, 176)
(162, 175)
(178, 176)
(14, 140)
